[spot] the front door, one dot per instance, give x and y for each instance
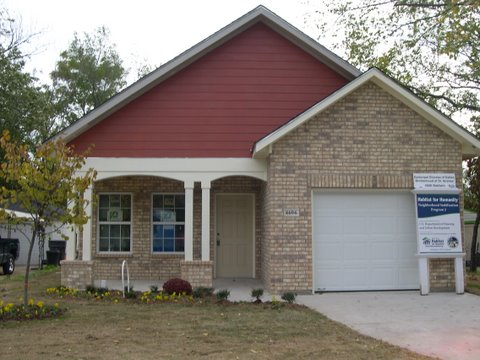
(234, 235)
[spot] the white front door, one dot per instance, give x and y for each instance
(234, 235)
(364, 241)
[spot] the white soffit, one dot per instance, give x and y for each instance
(259, 14)
(470, 144)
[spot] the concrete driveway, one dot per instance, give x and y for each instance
(443, 325)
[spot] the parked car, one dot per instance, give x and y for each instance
(9, 252)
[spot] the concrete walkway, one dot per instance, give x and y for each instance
(443, 325)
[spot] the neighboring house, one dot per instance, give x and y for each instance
(260, 154)
(23, 232)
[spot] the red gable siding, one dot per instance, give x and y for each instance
(219, 105)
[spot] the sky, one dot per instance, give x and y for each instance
(144, 31)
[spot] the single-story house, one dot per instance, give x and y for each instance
(258, 153)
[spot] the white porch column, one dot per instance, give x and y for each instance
(87, 228)
(71, 232)
(205, 220)
(188, 220)
(71, 245)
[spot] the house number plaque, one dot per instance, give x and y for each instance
(291, 212)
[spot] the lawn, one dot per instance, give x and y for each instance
(95, 330)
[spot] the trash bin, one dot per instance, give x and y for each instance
(53, 257)
(59, 247)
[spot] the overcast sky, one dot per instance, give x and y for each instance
(144, 31)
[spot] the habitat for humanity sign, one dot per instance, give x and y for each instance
(438, 215)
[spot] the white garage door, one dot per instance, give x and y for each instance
(364, 241)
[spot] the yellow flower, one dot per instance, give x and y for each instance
(31, 302)
(40, 304)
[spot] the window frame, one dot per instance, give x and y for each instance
(99, 223)
(153, 223)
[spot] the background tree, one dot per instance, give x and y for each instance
(472, 202)
(47, 184)
(23, 106)
(430, 46)
(88, 73)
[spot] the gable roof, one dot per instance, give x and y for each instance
(259, 14)
(470, 144)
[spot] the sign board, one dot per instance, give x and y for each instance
(291, 212)
(438, 223)
(434, 181)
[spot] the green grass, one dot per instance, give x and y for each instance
(473, 282)
(130, 330)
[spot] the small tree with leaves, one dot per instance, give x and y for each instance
(48, 184)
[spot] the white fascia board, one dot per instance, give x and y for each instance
(183, 169)
(470, 144)
(186, 58)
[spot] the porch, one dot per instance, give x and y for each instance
(166, 223)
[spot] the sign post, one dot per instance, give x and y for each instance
(437, 205)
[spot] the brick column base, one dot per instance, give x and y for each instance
(197, 273)
(442, 275)
(77, 274)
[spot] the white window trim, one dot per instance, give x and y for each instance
(152, 223)
(114, 223)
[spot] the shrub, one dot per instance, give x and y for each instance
(289, 297)
(129, 293)
(202, 292)
(257, 294)
(177, 286)
(34, 310)
(154, 288)
(93, 290)
(276, 304)
(222, 294)
(62, 291)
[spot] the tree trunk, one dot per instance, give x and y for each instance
(27, 270)
(473, 248)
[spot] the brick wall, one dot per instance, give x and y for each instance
(367, 140)
(442, 274)
(197, 273)
(142, 263)
(77, 274)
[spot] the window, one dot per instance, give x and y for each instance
(114, 222)
(168, 221)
